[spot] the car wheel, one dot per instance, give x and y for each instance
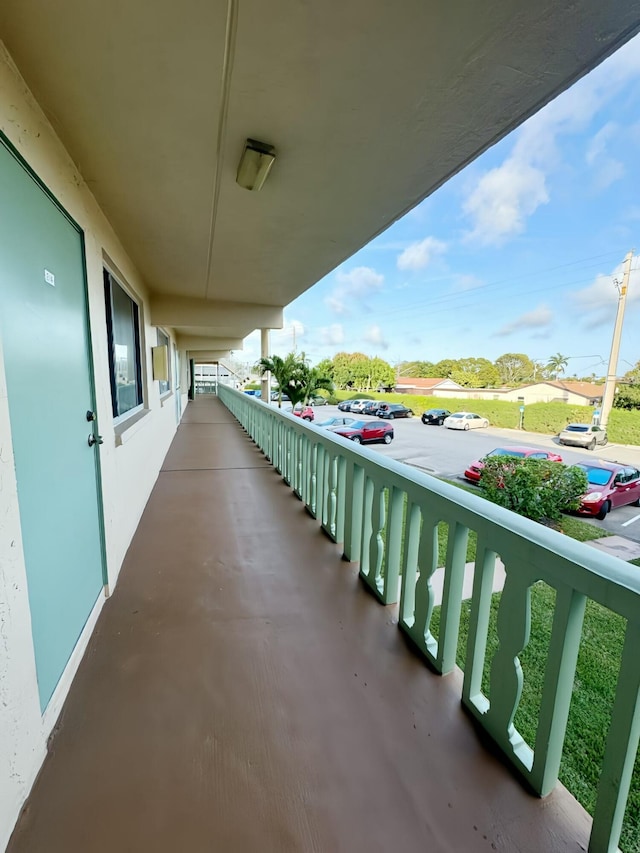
(440, 422)
(391, 416)
(356, 439)
(307, 418)
(606, 506)
(409, 414)
(606, 441)
(466, 426)
(636, 502)
(486, 424)
(387, 438)
(592, 446)
(424, 420)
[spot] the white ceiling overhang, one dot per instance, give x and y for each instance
(370, 105)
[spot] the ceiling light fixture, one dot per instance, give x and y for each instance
(255, 164)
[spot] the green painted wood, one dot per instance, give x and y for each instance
(558, 687)
(452, 597)
(43, 328)
(388, 589)
(620, 752)
(485, 565)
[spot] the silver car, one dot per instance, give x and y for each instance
(583, 435)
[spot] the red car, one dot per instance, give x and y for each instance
(474, 470)
(610, 485)
(304, 412)
(362, 431)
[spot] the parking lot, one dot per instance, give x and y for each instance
(446, 453)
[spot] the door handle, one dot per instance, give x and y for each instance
(94, 439)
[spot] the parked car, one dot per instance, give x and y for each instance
(334, 422)
(465, 420)
(275, 397)
(474, 470)
(318, 400)
(583, 435)
(370, 407)
(345, 405)
(610, 485)
(357, 406)
(364, 431)
(394, 410)
(304, 412)
(435, 416)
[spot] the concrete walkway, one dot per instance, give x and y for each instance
(243, 692)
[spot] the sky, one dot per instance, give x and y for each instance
(519, 252)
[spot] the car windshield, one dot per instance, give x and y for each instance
(596, 476)
(502, 451)
(577, 428)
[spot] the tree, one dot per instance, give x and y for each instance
(627, 397)
(476, 373)
(633, 376)
(443, 369)
(416, 369)
(316, 380)
(557, 364)
(514, 367)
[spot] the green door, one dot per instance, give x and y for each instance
(44, 337)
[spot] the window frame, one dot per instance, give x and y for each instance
(109, 280)
(160, 331)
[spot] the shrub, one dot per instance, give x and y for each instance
(536, 488)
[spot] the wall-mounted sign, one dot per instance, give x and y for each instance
(50, 278)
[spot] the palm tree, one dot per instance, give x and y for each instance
(280, 369)
(316, 381)
(557, 364)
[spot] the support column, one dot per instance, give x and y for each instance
(265, 385)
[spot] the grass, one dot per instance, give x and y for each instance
(546, 418)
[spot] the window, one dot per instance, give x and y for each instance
(123, 333)
(165, 384)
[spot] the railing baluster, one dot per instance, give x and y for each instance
(341, 502)
(620, 751)
(558, 687)
(373, 546)
(313, 480)
(472, 695)
(412, 530)
(354, 501)
(330, 502)
(452, 597)
(388, 588)
(505, 680)
(419, 630)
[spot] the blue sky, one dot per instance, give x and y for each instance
(517, 253)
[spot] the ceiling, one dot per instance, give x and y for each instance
(371, 105)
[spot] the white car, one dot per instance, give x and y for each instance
(358, 405)
(465, 420)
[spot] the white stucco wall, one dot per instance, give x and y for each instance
(129, 468)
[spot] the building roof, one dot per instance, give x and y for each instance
(424, 383)
(582, 389)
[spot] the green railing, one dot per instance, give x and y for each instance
(386, 516)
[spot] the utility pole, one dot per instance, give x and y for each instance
(610, 387)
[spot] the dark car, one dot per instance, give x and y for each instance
(318, 400)
(394, 410)
(610, 485)
(474, 470)
(370, 407)
(435, 416)
(364, 431)
(345, 405)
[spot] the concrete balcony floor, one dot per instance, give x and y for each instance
(243, 692)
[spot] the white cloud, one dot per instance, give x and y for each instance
(540, 318)
(498, 206)
(464, 282)
(419, 255)
(502, 200)
(607, 170)
(598, 303)
(288, 338)
(353, 286)
(332, 335)
(375, 337)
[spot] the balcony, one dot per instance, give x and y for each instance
(244, 689)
